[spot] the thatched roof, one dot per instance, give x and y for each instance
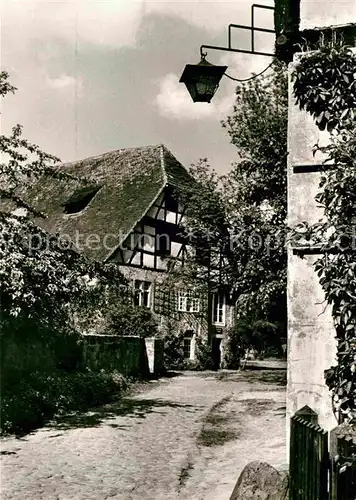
(130, 180)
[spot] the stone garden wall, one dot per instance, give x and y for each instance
(23, 354)
(127, 355)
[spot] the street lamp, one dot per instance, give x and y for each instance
(202, 79)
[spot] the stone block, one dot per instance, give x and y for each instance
(260, 481)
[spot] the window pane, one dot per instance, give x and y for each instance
(219, 309)
(148, 260)
(142, 294)
(161, 263)
(182, 301)
(161, 214)
(195, 305)
(186, 347)
(148, 242)
(136, 260)
(171, 217)
(175, 248)
(162, 244)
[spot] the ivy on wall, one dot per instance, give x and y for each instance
(325, 86)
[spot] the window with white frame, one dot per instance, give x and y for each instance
(142, 296)
(188, 302)
(219, 309)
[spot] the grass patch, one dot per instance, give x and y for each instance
(216, 419)
(257, 407)
(255, 376)
(184, 474)
(214, 431)
(210, 436)
(276, 377)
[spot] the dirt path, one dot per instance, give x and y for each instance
(186, 437)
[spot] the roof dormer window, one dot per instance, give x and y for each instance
(80, 199)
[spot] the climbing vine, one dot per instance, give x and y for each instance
(325, 86)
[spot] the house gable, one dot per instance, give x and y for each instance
(123, 186)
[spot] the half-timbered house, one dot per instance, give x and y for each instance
(124, 207)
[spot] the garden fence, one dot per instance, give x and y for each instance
(321, 469)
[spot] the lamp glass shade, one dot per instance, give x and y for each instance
(202, 80)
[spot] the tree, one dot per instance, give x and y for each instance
(256, 190)
(41, 277)
(237, 222)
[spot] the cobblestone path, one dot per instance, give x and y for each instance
(186, 437)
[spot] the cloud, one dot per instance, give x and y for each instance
(174, 102)
(243, 66)
(61, 82)
(65, 83)
(115, 23)
(112, 50)
(211, 14)
(111, 23)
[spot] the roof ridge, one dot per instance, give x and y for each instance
(163, 164)
(111, 151)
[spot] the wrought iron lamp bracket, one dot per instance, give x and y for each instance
(253, 29)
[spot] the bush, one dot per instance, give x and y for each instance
(255, 332)
(251, 332)
(204, 355)
(130, 320)
(28, 347)
(174, 354)
(41, 396)
(173, 351)
(233, 350)
(42, 375)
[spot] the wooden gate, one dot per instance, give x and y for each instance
(315, 471)
(309, 457)
(343, 470)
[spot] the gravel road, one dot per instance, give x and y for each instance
(185, 437)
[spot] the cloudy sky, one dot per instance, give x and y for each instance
(94, 76)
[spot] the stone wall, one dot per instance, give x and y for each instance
(127, 355)
(311, 344)
(23, 353)
(311, 335)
